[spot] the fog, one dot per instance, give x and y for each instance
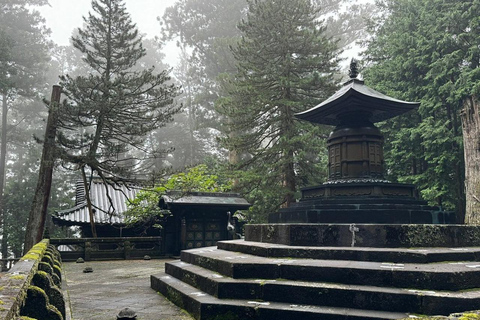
(63, 16)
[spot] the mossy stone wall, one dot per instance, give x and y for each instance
(31, 289)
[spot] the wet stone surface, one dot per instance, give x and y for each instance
(114, 285)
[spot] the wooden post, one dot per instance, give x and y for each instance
(38, 211)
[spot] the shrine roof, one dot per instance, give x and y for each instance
(355, 96)
(109, 203)
(214, 199)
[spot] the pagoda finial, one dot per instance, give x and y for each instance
(353, 71)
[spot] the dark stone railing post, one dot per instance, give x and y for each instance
(88, 251)
(127, 247)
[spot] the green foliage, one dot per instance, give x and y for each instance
(427, 51)
(285, 65)
(144, 208)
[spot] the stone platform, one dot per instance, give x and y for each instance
(254, 280)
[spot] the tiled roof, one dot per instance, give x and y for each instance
(216, 199)
(105, 211)
(112, 213)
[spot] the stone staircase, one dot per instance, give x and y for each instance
(253, 280)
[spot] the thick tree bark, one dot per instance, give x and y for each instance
(471, 142)
(38, 211)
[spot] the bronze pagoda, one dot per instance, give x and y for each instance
(356, 190)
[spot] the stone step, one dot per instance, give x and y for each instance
(396, 255)
(324, 294)
(202, 306)
(437, 276)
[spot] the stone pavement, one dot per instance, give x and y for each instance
(114, 285)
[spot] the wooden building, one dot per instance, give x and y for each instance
(200, 219)
(195, 219)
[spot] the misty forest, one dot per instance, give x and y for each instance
(224, 115)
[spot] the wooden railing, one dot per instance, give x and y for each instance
(99, 249)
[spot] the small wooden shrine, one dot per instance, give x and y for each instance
(200, 219)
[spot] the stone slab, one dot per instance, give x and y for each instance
(365, 235)
(435, 276)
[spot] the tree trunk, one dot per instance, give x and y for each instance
(4, 241)
(290, 180)
(89, 203)
(38, 211)
(3, 162)
(471, 142)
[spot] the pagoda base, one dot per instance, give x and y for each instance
(368, 203)
(360, 188)
(365, 235)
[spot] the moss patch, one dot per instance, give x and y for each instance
(37, 305)
(469, 316)
(37, 251)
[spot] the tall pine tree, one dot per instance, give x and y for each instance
(23, 63)
(285, 65)
(428, 51)
(110, 110)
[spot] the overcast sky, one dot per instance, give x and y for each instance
(63, 16)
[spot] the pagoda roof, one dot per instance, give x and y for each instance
(355, 96)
